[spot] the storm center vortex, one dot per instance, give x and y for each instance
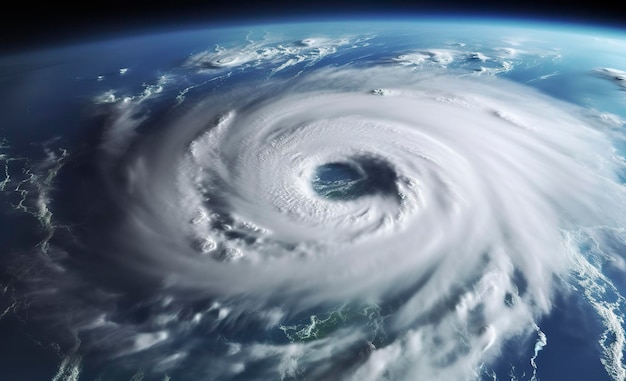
(342, 181)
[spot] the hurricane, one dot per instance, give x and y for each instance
(344, 223)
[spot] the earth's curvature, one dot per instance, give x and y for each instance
(381, 200)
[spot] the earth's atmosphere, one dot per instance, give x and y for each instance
(389, 200)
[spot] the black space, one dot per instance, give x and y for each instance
(32, 25)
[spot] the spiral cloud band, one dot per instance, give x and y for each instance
(361, 207)
(436, 211)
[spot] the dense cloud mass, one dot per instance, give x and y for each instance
(345, 224)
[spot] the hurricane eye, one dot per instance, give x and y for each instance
(338, 181)
(342, 181)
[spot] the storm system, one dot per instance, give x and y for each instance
(343, 223)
